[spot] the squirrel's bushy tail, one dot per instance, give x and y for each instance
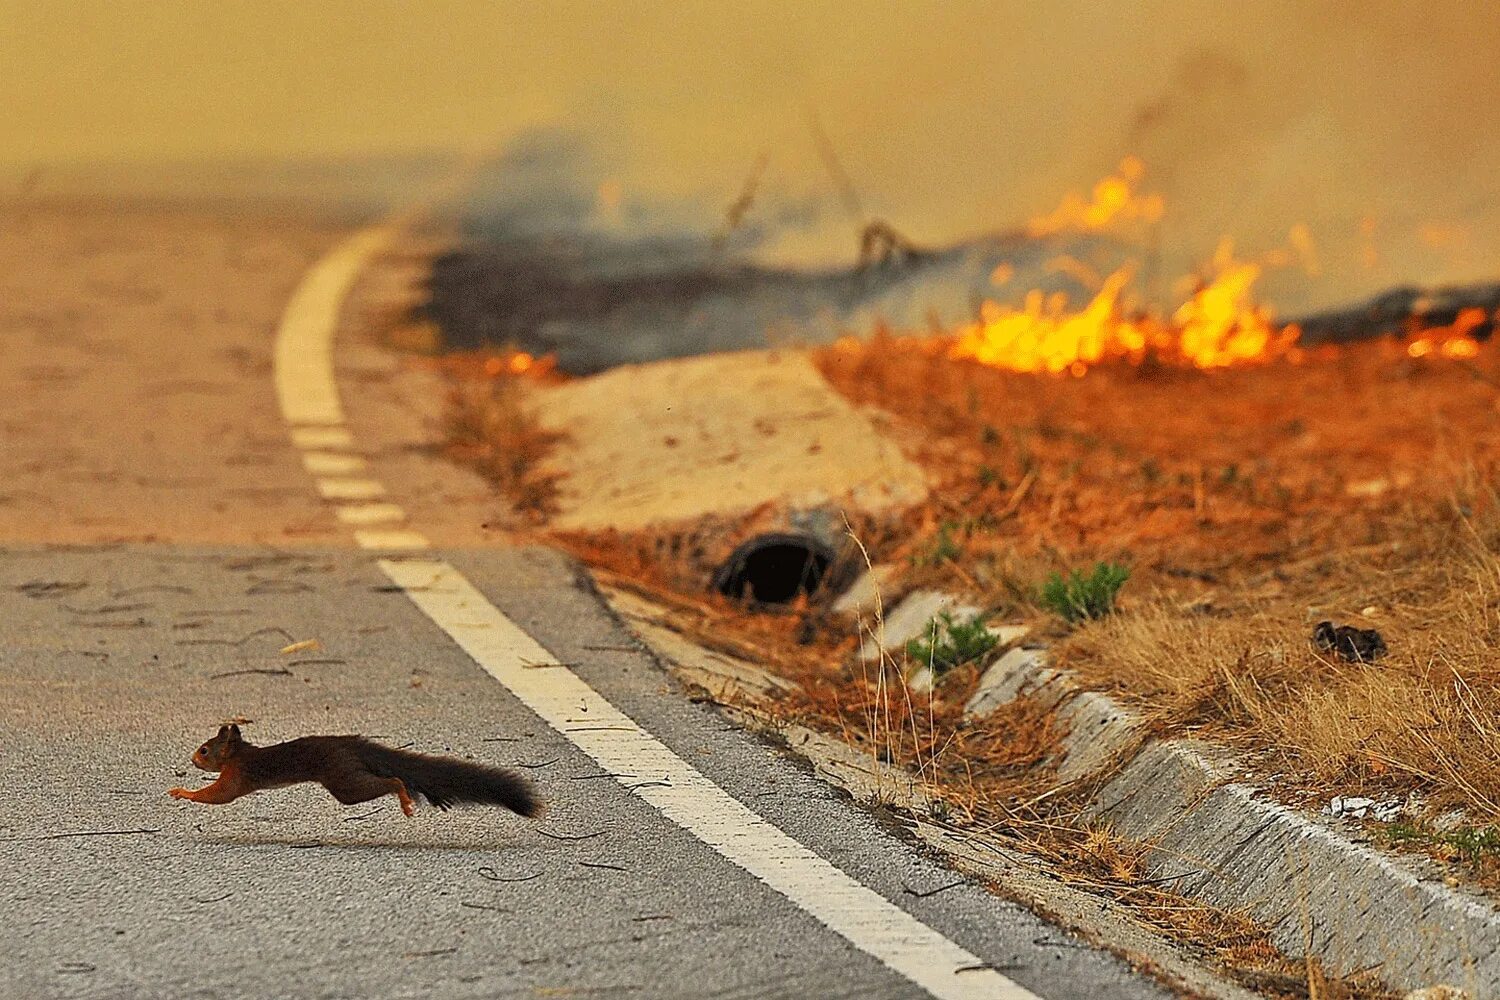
(447, 781)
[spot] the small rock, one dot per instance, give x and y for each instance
(1359, 807)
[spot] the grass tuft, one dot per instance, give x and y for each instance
(1083, 598)
(949, 643)
(1466, 843)
(490, 427)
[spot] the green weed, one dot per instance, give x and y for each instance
(949, 643)
(1077, 597)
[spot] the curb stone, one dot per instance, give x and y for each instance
(1318, 891)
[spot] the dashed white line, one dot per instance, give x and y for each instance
(368, 514)
(327, 463)
(310, 402)
(322, 437)
(338, 488)
(395, 540)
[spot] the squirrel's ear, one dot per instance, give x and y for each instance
(234, 730)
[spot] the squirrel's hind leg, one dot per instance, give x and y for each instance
(352, 789)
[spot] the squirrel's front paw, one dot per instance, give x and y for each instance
(179, 793)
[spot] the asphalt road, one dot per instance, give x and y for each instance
(160, 542)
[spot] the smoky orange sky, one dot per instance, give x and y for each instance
(1371, 121)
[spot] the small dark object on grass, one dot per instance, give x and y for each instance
(1357, 645)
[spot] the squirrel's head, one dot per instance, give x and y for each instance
(212, 755)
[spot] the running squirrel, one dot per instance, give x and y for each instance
(353, 769)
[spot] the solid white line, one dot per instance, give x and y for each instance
(681, 793)
(870, 922)
(304, 383)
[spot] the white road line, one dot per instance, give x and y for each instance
(322, 437)
(339, 488)
(329, 463)
(561, 698)
(397, 540)
(369, 514)
(304, 381)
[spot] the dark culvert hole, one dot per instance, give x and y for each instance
(774, 568)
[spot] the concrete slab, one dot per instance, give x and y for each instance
(677, 440)
(867, 594)
(911, 619)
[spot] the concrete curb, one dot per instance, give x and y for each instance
(1319, 892)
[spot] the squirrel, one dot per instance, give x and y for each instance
(354, 770)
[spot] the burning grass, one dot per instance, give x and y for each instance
(489, 426)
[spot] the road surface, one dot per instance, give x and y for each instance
(163, 536)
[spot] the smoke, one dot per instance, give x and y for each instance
(1364, 122)
(1368, 121)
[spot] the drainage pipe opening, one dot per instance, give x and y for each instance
(774, 568)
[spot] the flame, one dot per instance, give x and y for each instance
(1114, 200)
(1043, 336)
(1219, 325)
(1454, 342)
(518, 363)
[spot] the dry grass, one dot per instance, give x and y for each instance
(489, 426)
(1251, 504)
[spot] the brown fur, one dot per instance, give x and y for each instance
(353, 770)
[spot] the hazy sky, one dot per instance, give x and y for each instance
(951, 117)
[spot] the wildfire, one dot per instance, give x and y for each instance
(516, 363)
(1454, 341)
(1219, 325)
(1113, 201)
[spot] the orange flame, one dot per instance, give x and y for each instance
(514, 362)
(1455, 341)
(1219, 325)
(1114, 200)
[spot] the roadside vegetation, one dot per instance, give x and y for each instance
(489, 426)
(1250, 504)
(948, 643)
(1077, 597)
